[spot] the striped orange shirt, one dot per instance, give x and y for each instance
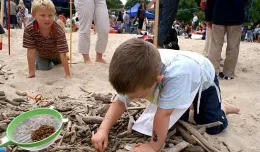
(46, 47)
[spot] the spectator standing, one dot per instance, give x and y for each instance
(167, 13)
(87, 10)
(127, 22)
(220, 17)
(195, 22)
(141, 16)
(28, 5)
(13, 19)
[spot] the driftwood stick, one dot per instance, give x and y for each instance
(210, 125)
(1, 67)
(202, 130)
(2, 93)
(198, 136)
(129, 126)
(2, 97)
(19, 100)
(12, 102)
(83, 89)
(103, 98)
(3, 126)
(201, 144)
(80, 121)
(92, 119)
(20, 93)
(185, 134)
(6, 76)
(117, 143)
(67, 130)
(170, 134)
(179, 147)
(74, 136)
(136, 108)
(192, 148)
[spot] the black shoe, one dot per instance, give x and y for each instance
(222, 76)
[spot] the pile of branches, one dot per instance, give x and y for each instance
(85, 116)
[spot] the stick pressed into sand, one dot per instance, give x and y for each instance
(210, 125)
(198, 135)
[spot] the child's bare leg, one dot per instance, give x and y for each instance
(99, 58)
(229, 108)
(86, 58)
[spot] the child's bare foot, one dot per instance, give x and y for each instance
(229, 108)
(101, 60)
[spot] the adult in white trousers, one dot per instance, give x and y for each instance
(87, 11)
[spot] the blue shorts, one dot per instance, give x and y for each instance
(2, 149)
(210, 110)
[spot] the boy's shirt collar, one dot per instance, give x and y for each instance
(37, 29)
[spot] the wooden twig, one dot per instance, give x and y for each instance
(192, 148)
(2, 97)
(74, 136)
(20, 100)
(198, 135)
(170, 134)
(1, 67)
(20, 93)
(67, 130)
(102, 112)
(117, 143)
(185, 134)
(12, 102)
(92, 119)
(103, 98)
(179, 147)
(201, 144)
(2, 93)
(3, 126)
(202, 130)
(63, 97)
(136, 108)
(83, 89)
(80, 121)
(210, 125)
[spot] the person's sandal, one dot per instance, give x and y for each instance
(222, 76)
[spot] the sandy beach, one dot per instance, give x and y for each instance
(242, 134)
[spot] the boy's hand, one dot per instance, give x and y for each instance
(100, 140)
(31, 75)
(142, 148)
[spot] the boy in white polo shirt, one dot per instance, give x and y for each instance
(172, 81)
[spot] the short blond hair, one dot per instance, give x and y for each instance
(45, 3)
(135, 64)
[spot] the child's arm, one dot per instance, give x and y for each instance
(160, 128)
(65, 64)
(31, 62)
(100, 139)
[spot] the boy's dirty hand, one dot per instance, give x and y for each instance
(100, 140)
(31, 75)
(142, 148)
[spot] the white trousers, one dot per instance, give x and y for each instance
(87, 11)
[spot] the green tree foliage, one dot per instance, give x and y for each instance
(255, 15)
(186, 10)
(131, 3)
(114, 4)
